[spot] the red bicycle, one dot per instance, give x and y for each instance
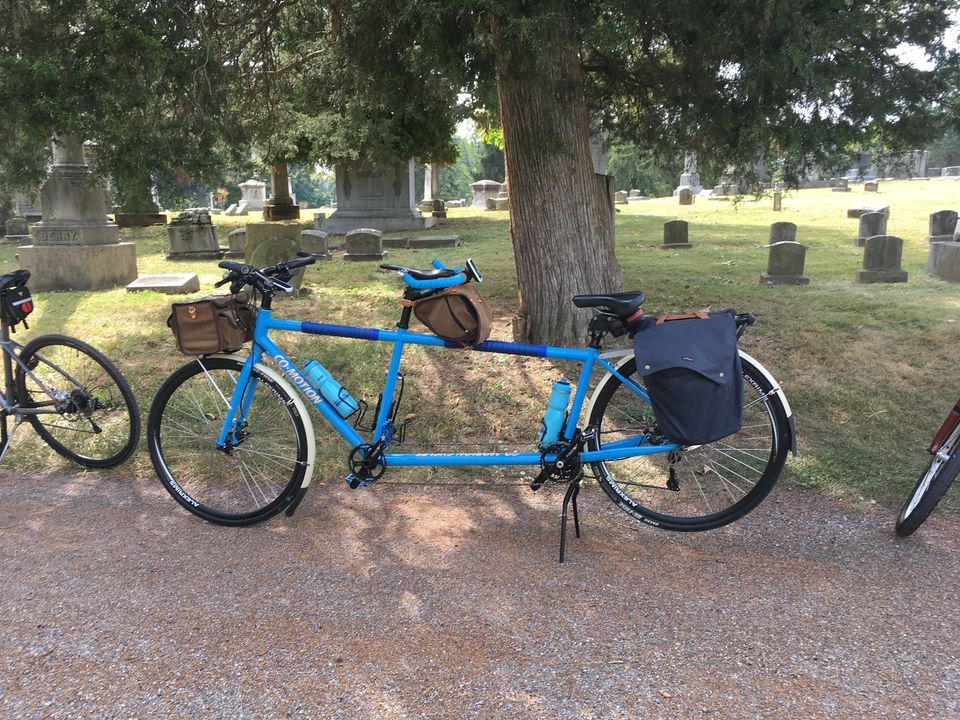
(936, 479)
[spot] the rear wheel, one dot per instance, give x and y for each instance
(930, 488)
(711, 485)
(260, 472)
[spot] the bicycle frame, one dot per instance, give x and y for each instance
(588, 357)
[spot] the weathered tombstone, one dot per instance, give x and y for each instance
(281, 205)
(871, 186)
(172, 284)
(856, 212)
(501, 204)
(943, 262)
(270, 243)
(942, 225)
(841, 185)
(433, 241)
(18, 231)
(426, 206)
(690, 178)
(237, 242)
(363, 244)
(315, 243)
(74, 246)
(242, 208)
(620, 197)
(634, 194)
(675, 235)
(431, 183)
(231, 209)
(785, 264)
(777, 201)
(438, 208)
(318, 218)
(482, 190)
(951, 171)
(27, 205)
(192, 235)
(783, 232)
(872, 223)
(375, 196)
(881, 261)
(254, 195)
(685, 196)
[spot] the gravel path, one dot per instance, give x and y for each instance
(448, 602)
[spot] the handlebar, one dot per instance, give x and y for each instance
(268, 280)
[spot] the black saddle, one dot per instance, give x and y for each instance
(431, 274)
(14, 279)
(622, 304)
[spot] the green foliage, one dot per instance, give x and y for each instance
(637, 169)
(945, 151)
(317, 189)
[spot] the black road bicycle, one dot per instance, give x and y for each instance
(74, 397)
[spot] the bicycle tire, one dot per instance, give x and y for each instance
(228, 488)
(933, 484)
(98, 423)
(639, 486)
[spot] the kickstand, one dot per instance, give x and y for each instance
(570, 498)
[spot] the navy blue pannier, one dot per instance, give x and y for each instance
(691, 368)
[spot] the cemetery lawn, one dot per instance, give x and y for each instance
(868, 369)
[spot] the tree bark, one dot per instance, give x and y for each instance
(561, 217)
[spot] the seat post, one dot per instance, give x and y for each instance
(404, 323)
(8, 387)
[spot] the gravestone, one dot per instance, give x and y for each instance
(422, 241)
(785, 264)
(620, 197)
(501, 204)
(690, 178)
(18, 231)
(483, 189)
(172, 284)
(685, 196)
(943, 223)
(782, 232)
(254, 196)
(943, 261)
(375, 196)
(438, 209)
(675, 235)
(871, 224)
(318, 218)
(75, 247)
(236, 242)
(27, 205)
(881, 261)
(192, 235)
(777, 201)
(841, 185)
(431, 184)
(271, 243)
(363, 244)
(951, 171)
(231, 209)
(856, 212)
(634, 194)
(315, 243)
(871, 186)
(281, 205)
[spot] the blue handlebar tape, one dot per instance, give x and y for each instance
(457, 279)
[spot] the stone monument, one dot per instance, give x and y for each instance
(782, 232)
(675, 235)
(280, 206)
(18, 231)
(685, 196)
(942, 225)
(75, 247)
(27, 205)
(620, 197)
(483, 189)
(191, 234)
(363, 244)
(690, 178)
(785, 264)
(872, 223)
(372, 196)
(881, 261)
(271, 243)
(943, 262)
(315, 243)
(254, 196)
(237, 242)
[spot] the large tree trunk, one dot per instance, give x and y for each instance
(561, 218)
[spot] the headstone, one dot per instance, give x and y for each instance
(841, 185)
(951, 171)
(173, 284)
(491, 203)
(454, 204)
(685, 196)
(785, 264)
(75, 247)
(27, 205)
(881, 261)
(242, 208)
(942, 225)
(434, 241)
(431, 183)
(501, 204)
(270, 243)
(856, 212)
(690, 178)
(871, 186)
(871, 224)
(237, 242)
(620, 198)
(192, 235)
(315, 243)
(438, 208)
(675, 235)
(943, 262)
(782, 232)
(426, 206)
(634, 194)
(231, 209)
(375, 196)
(318, 218)
(363, 244)
(281, 205)
(777, 201)
(483, 189)
(254, 195)
(18, 231)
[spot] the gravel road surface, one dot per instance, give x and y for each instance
(448, 602)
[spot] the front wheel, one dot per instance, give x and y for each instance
(263, 464)
(699, 488)
(930, 488)
(78, 401)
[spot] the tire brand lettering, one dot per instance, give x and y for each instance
(179, 490)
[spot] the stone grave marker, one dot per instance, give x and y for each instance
(951, 171)
(438, 208)
(281, 205)
(254, 196)
(943, 223)
(841, 185)
(783, 232)
(172, 284)
(364, 244)
(777, 201)
(318, 218)
(943, 261)
(237, 241)
(872, 223)
(270, 243)
(685, 196)
(634, 194)
(192, 235)
(620, 197)
(483, 190)
(856, 212)
(881, 261)
(315, 243)
(501, 204)
(871, 186)
(18, 231)
(231, 209)
(785, 264)
(434, 241)
(491, 203)
(675, 235)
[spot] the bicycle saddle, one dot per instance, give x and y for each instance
(17, 277)
(620, 304)
(431, 274)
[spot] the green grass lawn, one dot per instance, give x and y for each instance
(868, 369)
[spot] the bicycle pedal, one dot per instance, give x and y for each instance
(355, 482)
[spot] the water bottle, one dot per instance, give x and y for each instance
(332, 391)
(556, 412)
